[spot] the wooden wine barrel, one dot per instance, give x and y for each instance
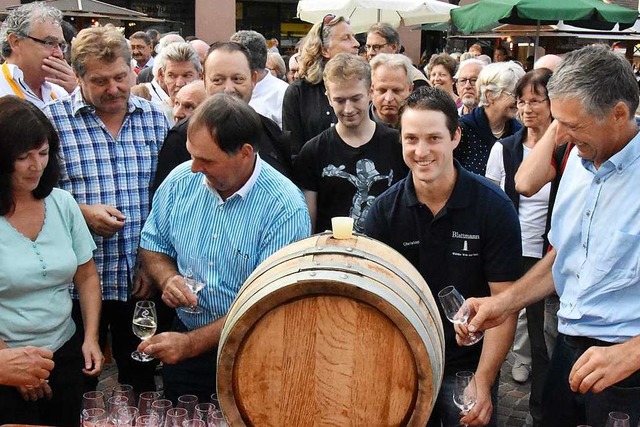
(331, 332)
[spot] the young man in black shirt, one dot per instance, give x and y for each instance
(456, 228)
(343, 169)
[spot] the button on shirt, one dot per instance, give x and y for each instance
(100, 169)
(596, 232)
(234, 236)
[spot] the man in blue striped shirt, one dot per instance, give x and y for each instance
(109, 144)
(229, 207)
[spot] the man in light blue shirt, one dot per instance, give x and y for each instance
(229, 207)
(595, 232)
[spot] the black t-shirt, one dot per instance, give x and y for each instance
(473, 240)
(347, 179)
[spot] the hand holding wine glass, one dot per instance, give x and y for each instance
(145, 321)
(195, 280)
(457, 311)
(465, 394)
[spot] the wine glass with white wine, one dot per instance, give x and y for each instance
(465, 395)
(145, 322)
(457, 311)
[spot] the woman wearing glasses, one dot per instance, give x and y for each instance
(505, 158)
(494, 118)
(305, 110)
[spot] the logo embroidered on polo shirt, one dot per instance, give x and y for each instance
(411, 243)
(462, 244)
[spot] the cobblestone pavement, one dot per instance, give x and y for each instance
(513, 398)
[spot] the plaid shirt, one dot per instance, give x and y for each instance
(100, 169)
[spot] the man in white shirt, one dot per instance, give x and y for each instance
(32, 44)
(269, 90)
(141, 50)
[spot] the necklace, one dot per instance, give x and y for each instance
(498, 133)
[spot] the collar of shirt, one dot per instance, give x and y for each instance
(460, 197)
(619, 161)
(243, 192)
(79, 104)
(48, 92)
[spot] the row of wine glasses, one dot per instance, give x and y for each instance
(160, 413)
(118, 406)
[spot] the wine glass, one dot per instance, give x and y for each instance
(214, 400)
(147, 421)
(92, 400)
(114, 404)
(457, 311)
(194, 423)
(160, 407)
(124, 390)
(127, 416)
(216, 419)
(145, 322)
(195, 280)
(464, 391)
(203, 411)
(92, 416)
(188, 402)
(145, 401)
(175, 417)
(618, 419)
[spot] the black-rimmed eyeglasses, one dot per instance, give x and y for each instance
(49, 44)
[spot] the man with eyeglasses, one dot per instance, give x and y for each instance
(33, 46)
(383, 38)
(466, 79)
(305, 109)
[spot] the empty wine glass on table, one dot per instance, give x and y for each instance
(92, 417)
(203, 411)
(457, 311)
(92, 400)
(159, 408)
(195, 280)
(127, 416)
(618, 419)
(145, 401)
(175, 417)
(114, 403)
(188, 402)
(145, 322)
(147, 421)
(465, 394)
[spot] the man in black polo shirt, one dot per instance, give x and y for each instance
(458, 229)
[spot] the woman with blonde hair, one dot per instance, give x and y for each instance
(305, 110)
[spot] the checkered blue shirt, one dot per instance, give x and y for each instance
(100, 169)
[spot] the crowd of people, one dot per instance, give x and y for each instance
(121, 161)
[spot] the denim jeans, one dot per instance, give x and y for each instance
(447, 414)
(564, 408)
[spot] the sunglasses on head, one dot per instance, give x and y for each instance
(325, 22)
